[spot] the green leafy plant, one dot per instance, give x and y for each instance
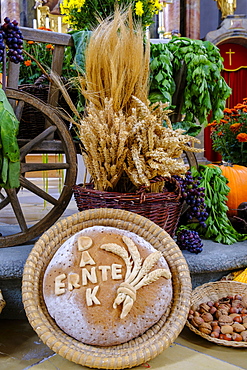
(9, 149)
(218, 227)
(85, 14)
(186, 73)
(229, 135)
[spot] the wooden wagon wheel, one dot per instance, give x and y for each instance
(43, 142)
(191, 158)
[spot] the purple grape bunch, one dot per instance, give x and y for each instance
(2, 46)
(14, 40)
(189, 240)
(194, 197)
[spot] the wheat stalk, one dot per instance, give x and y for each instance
(136, 277)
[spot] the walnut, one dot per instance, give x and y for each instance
(220, 312)
(244, 335)
(196, 321)
(225, 320)
(205, 328)
(204, 308)
(207, 317)
(224, 306)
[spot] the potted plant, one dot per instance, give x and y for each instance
(229, 137)
(85, 15)
(129, 146)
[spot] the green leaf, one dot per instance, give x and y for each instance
(9, 149)
(80, 39)
(190, 128)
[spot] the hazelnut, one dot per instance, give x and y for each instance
(196, 321)
(233, 310)
(227, 337)
(225, 320)
(226, 329)
(216, 328)
(205, 328)
(207, 317)
(214, 323)
(237, 337)
(238, 327)
(238, 297)
(215, 334)
(210, 303)
(238, 319)
(204, 308)
(213, 310)
(244, 335)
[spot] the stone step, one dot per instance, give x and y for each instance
(215, 261)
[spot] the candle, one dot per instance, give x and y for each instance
(47, 22)
(59, 24)
(161, 19)
(35, 23)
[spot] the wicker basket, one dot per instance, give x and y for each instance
(212, 292)
(135, 352)
(162, 208)
(32, 121)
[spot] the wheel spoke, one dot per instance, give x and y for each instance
(31, 167)
(34, 142)
(18, 109)
(17, 209)
(36, 190)
(2, 197)
(3, 201)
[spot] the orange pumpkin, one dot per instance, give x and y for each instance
(237, 177)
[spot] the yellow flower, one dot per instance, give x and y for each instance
(158, 6)
(139, 8)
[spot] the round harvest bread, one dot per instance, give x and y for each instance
(105, 286)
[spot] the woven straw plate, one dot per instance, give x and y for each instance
(212, 292)
(132, 353)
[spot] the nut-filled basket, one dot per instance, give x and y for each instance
(134, 352)
(224, 293)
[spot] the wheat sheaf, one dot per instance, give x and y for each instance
(137, 274)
